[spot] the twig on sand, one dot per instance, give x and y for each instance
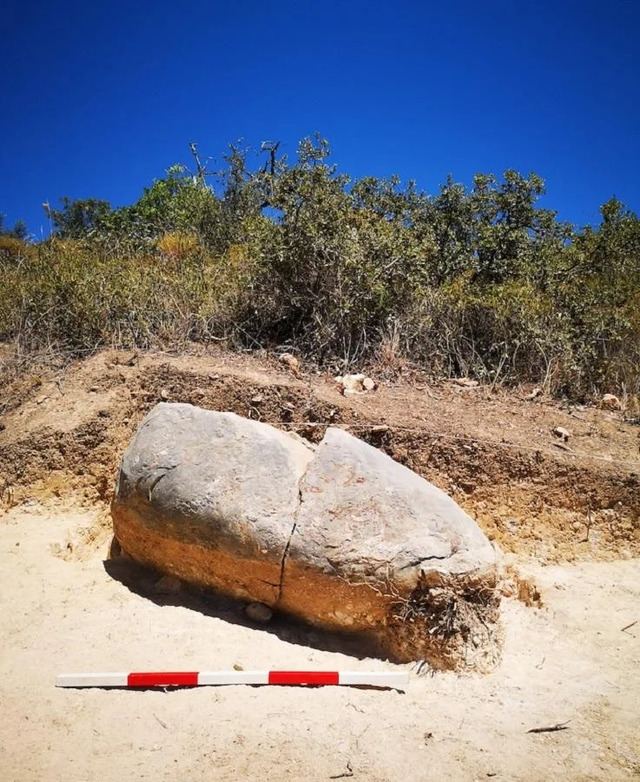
(551, 728)
(628, 627)
(164, 724)
(347, 773)
(420, 665)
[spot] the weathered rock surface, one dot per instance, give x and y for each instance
(372, 541)
(210, 498)
(343, 537)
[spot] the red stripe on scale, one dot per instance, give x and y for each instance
(163, 679)
(304, 677)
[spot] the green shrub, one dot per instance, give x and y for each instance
(478, 282)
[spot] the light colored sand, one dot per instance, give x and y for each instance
(567, 661)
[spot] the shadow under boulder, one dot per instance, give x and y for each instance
(339, 536)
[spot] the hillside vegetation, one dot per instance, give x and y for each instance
(477, 281)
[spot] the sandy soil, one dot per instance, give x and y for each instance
(566, 516)
(61, 611)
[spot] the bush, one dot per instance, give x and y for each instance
(74, 294)
(478, 282)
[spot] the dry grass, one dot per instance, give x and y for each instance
(67, 296)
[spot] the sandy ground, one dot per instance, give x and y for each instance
(62, 611)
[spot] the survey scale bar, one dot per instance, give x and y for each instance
(137, 679)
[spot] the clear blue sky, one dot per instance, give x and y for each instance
(98, 99)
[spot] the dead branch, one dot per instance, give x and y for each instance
(202, 171)
(164, 724)
(347, 773)
(551, 728)
(272, 148)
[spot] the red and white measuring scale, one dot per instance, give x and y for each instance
(388, 679)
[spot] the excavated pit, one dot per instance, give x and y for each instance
(62, 436)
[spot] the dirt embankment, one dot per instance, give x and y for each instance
(63, 607)
(495, 453)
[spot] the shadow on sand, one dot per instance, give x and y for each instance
(144, 582)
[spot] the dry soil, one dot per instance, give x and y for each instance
(564, 514)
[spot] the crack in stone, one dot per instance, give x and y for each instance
(268, 583)
(283, 561)
(415, 562)
(285, 553)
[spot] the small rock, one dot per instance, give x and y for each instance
(355, 384)
(610, 402)
(259, 612)
(562, 433)
(167, 585)
(466, 382)
(291, 361)
(94, 389)
(352, 383)
(379, 429)
(164, 395)
(534, 394)
(255, 400)
(512, 525)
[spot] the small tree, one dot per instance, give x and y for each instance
(80, 218)
(19, 230)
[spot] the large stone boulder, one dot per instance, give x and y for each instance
(341, 536)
